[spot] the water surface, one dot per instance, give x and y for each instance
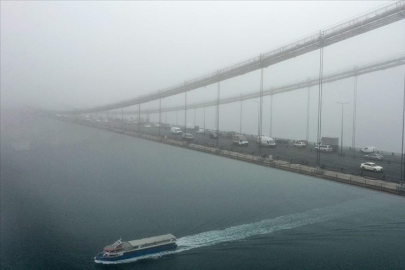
(78, 189)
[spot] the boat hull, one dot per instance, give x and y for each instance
(135, 253)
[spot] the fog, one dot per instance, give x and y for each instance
(73, 55)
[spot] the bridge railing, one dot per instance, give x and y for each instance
(391, 61)
(309, 43)
(361, 19)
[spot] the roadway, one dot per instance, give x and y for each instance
(349, 162)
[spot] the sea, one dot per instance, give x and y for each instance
(69, 190)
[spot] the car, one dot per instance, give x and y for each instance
(300, 144)
(188, 137)
(230, 134)
(371, 167)
(166, 126)
(201, 131)
(324, 148)
(213, 135)
(374, 156)
(147, 126)
(282, 141)
(157, 125)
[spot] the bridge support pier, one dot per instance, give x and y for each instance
(271, 115)
(122, 118)
(240, 120)
(139, 117)
(160, 114)
(204, 119)
(165, 112)
(261, 110)
(218, 94)
(354, 112)
(319, 133)
(308, 106)
(185, 113)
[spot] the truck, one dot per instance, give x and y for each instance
(334, 142)
(239, 139)
(266, 141)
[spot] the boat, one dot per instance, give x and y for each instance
(120, 250)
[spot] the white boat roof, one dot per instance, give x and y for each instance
(151, 240)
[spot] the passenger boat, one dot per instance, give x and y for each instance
(126, 250)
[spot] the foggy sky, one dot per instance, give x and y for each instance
(67, 55)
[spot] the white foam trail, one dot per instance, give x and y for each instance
(265, 227)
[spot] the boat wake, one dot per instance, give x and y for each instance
(263, 227)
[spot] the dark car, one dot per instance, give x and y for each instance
(230, 134)
(374, 157)
(282, 141)
(213, 135)
(188, 137)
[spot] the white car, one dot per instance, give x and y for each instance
(324, 148)
(147, 126)
(188, 136)
(300, 144)
(370, 166)
(157, 125)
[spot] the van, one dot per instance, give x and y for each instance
(266, 141)
(175, 130)
(239, 139)
(370, 149)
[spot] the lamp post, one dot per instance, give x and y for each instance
(341, 134)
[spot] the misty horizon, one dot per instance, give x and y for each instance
(54, 59)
